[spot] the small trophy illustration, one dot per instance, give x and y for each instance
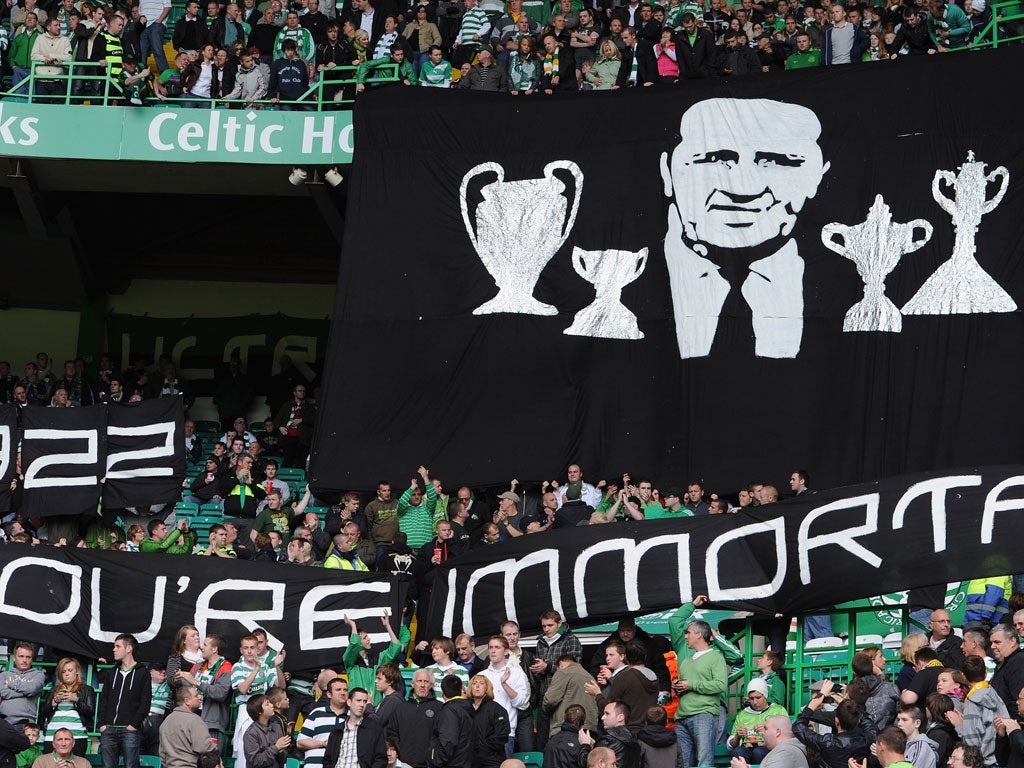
(960, 286)
(517, 229)
(875, 246)
(610, 271)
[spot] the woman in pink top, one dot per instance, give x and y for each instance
(665, 53)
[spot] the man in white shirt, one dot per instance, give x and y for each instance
(511, 688)
(589, 494)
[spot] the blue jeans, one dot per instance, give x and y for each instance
(696, 735)
(753, 755)
(19, 75)
(510, 747)
(117, 742)
(153, 41)
(818, 626)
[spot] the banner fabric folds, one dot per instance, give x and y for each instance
(721, 282)
(79, 600)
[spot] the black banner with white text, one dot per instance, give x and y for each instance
(79, 600)
(132, 454)
(721, 282)
(806, 553)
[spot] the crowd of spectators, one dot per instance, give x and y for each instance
(270, 53)
(955, 701)
(955, 697)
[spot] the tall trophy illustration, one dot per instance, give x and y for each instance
(610, 271)
(517, 229)
(960, 286)
(875, 246)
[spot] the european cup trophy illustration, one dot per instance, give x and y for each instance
(875, 246)
(516, 230)
(610, 271)
(960, 285)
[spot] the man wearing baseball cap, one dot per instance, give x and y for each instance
(672, 506)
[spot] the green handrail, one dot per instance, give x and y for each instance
(991, 35)
(86, 71)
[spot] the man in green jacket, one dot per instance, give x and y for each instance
(180, 541)
(703, 677)
(20, 55)
(406, 74)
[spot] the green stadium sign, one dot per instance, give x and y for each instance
(177, 135)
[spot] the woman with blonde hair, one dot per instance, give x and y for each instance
(912, 643)
(602, 73)
(490, 724)
(71, 705)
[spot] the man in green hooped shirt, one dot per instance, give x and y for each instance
(361, 663)
(702, 657)
(804, 56)
(416, 514)
(672, 501)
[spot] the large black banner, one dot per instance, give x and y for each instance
(79, 600)
(145, 453)
(724, 282)
(809, 552)
(133, 454)
(8, 451)
(63, 459)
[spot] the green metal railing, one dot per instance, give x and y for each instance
(107, 91)
(804, 666)
(1005, 16)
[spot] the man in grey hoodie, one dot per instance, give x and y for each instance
(982, 705)
(921, 751)
(20, 687)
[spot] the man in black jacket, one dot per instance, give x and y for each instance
(190, 31)
(617, 737)
(371, 752)
(412, 723)
(123, 705)
(12, 741)
(695, 49)
(1008, 679)
(451, 745)
(638, 68)
(563, 750)
(852, 737)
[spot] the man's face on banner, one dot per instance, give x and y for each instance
(733, 189)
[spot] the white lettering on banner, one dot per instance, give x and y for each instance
(994, 504)
(6, 449)
(193, 136)
(845, 539)
(26, 125)
(937, 487)
(247, 618)
(850, 524)
(188, 342)
(21, 612)
(753, 592)
(241, 345)
(96, 632)
(302, 351)
(510, 569)
(87, 457)
(632, 554)
(311, 616)
(163, 450)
